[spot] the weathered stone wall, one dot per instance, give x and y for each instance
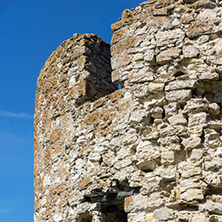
(77, 72)
(150, 151)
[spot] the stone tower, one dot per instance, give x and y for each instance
(150, 151)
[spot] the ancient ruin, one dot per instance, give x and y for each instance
(148, 151)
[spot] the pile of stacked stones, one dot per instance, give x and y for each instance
(150, 151)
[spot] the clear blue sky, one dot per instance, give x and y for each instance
(30, 30)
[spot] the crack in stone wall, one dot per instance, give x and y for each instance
(150, 151)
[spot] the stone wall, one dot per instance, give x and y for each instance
(150, 151)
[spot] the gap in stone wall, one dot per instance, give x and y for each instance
(179, 73)
(114, 212)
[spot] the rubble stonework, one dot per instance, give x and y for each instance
(150, 151)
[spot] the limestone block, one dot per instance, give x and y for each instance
(94, 157)
(207, 14)
(149, 56)
(212, 207)
(157, 99)
(192, 194)
(196, 29)
(188, 169)
(138, 65)
(197, 119)
(215, 125)
(170, 109)
(179, 95)
(213, 179)
(192, 142)
(138, 57)
(123, 60)
(212, 163)
(140, 217)
(167, 157)
(140, 91)
(177, 119)
(156, 112)
(138, 116)
(218, 47)
(58, 218)
(139, 202)
(170, 142)
(218, 69)
(219, 152)
(183, 215)
(143, 75)
(169, 37)
(218, 61)
(214, 109)
(116, 76)
(190, 51)
(198, 67)
(136, 177)
(195, 105)
(166, 131)
(208, 4)
(163, 214)
(147, 155)
(129, 138)
(196, 130)
(167, 173)
(81, 62)
(196, 154)
(180, 84)
(167, 56)
(199, 218)
(115, 142)
(189, 183)
(151, 187)
(212, 138)
(155, 87)
(209, 76)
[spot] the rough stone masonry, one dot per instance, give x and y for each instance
(150, 151)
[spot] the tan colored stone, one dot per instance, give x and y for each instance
(180, 84)
(177, 120)
(81, 62)
(199, 218)
(199, 29)
(197, 119)
(167, 56)
(155, 87)
(189, 169)
(192, 194)
(191, 142)
(167, 157)
(178, 95)
(169, 37)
